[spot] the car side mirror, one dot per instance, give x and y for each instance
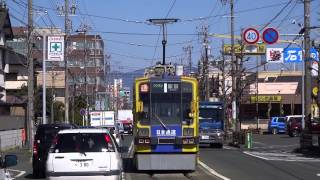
(10, 160)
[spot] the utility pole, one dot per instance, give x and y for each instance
(53, 75)
(44, 101)
(67, 30)
(30, 76)
(86, 75)
(188, 50)
(236, 126)
(223, 88)
(205, 71)
(307, 68)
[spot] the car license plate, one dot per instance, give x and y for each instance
(204, 137)
(82, 164)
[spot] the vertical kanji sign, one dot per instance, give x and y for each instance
(55, 48)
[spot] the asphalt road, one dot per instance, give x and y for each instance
(23, 170)
(272, 157)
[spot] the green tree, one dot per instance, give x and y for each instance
(58, 111)
(79, 103)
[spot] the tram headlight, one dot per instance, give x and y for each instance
(143, 132)
(188, 132)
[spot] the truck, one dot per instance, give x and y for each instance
(211, 123)
(125, 121)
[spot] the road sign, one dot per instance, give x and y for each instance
(274, 55)
(294, 55)
(253, 49)
(250, 36)
(270, 35)
(83, 111)
(55, 48)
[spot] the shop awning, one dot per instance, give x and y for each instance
(276, 88)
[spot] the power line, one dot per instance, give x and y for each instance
(172, 5)
(277, 15)
(288, 14)
(183, 20)
(144, 34)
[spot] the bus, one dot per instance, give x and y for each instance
(166, 124)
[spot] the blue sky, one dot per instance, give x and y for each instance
(139, 45)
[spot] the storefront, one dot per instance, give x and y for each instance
(272, 99)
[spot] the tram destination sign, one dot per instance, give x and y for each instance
(165, 87)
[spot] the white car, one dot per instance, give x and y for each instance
(84, 154)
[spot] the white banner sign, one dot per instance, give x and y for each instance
(274, 55)
(55, 48)
(314, 68)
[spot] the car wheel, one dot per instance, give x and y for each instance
(274, 131)
(36, 173)
(220, 146)
(295, 133)
(290, 134)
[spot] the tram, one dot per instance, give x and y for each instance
(166, 124)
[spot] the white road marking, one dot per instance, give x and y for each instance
(130, 151)
(273, 156)
(215, 173)
(20, 172)
(256, 142)
(318, 174)
(123, 176)
(250, 154)
(230, 148)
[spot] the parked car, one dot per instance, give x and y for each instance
(84, 153)
(277, 125)
(294, 126)
(288, 118)
(41, 145)
(8, 161)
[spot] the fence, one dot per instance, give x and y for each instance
(12, 133)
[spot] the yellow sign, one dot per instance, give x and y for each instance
(265, 99)
(315, 91)
(254, 49)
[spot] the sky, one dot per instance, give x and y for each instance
(135, 44)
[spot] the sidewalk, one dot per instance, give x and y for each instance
(23, 170)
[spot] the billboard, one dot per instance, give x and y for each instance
(294, 55)
(102, 118)
(55, 48)
(274, 55)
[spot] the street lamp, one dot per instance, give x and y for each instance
(162, 23)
